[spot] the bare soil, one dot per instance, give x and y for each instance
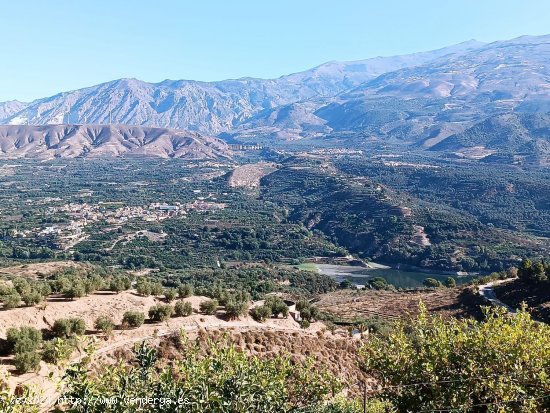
(536, 296)
(349, 304)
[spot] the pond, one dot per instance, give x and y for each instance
(399, 278)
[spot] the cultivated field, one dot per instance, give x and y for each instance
(349, 305)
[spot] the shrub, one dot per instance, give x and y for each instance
(120, 283)
(305, 324)
(144, 287)
(301, 304)
(27, 361)
(104, 324)
(260, 313)
(277, 306)
(378, 283)
(31, 298)
(161, 312)
(431, 283)
(133, 319)
(170, 294)
(209, 307)
(57, 350)
(23, 339)
(68, 327)
(235, 308)
(500, 363)
(207, 380)
(156, 289)
(185, 290)
(450, 282)
(183, 309)
(76, 290)
(13, 300)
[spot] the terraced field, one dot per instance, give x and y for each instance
(391, 305)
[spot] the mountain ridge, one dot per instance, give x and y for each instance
(71, 141)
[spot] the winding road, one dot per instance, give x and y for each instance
(487, 292)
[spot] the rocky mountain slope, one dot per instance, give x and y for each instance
(209, 107)
(425, 103)
(69, 141)
(420, 100)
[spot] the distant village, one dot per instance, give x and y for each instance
(64, 236)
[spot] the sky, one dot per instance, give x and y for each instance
(58, 45)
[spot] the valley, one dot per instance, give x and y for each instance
(362, 236)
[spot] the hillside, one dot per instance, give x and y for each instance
(424, 103)
(70, 141)
(525, 136)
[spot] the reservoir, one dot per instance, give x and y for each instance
(397, 277)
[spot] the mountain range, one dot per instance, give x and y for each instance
(71, 141)
(420, 99)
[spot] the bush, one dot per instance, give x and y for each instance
(104, 324)
(301, 304)
(183, 309)
(185, 290)
(133, 319)
(261, 313)
(235, 308)
(450, 282)
(120, 283)
(277, 306)
(170, 294)
(57, 350)
(500, 363)
(220, 379)
(305, 324)
(31, 298)
(143, 287)
(156, 289)
(76, 290)
(378, 283)
(23, 339)
(12, 300)
(161, 312)
(27, 361)
(431, 283)
(68, 327)
(209, 307)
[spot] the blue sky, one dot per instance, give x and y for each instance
(58, 45)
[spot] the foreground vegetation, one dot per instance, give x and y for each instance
(427, 364)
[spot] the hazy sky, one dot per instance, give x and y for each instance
(58, 45)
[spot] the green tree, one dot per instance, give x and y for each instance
(450, 282)
(105, 324)
(161, 312)
(431, 283)
(209, 307)
(133, 319)
(222, 379)
(261, 313)
(183, 309)
(500, 364)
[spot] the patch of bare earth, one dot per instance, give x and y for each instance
(349, 304)
(535, 295)
(249, 176)
(39, 269)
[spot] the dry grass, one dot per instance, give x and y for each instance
(536, 296)
(337, 354)
(349, 305)
(38, 270)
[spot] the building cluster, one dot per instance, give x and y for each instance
(66, 235)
